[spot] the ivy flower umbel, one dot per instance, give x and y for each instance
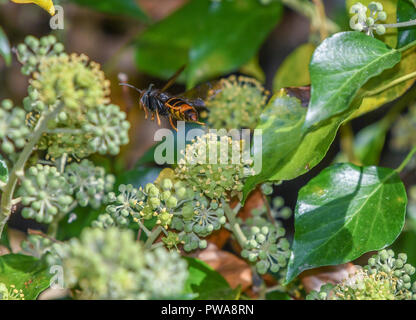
(46, 193)
(237, 104)
(384, 278)
(73, 80)
(108, 129)
(165, 273)
(33, 50)
(214, 168)
(87, 123)
(367, 23)
(266, 247)
(89, 183)
(13, 129)
(198, 218)
(142, 204)
(111, 264)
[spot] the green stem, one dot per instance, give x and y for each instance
(406, 160)
(143, 227)
(408, 46)
(403, 24)
(234, 225)
(152, 237)
(19, 167)
(391, 84)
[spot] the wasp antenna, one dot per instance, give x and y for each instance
(130, 86)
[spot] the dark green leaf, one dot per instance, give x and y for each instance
(4, 171)
(340, 66)
(406, 11)
(84, 217)
(25, 272)
(207, 283)
(117, 7)
(277, 295)
(5, 51)
(213, 38)
(4, 239)
(344, 212)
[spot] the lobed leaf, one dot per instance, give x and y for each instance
(340, 66)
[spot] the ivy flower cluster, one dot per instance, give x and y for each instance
(362, 21)
(13, 130)
(67, 114)
(47, 192)
(87, 123)
(385, 277)
(222, 178)
(110, 264)
(11, 292)
(237, 105)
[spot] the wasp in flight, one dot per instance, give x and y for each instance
(159, 103)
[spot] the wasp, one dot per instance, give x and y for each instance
(159, 103)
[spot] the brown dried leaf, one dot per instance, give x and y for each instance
(313, 279)
(235, 270)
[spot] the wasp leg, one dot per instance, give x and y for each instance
(146, 115)
(171, 123)
(153, 116)
(158, 119)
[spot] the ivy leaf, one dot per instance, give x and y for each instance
(344, 212)
(340, 66)
(5, 51)
(294, 71)
(117, 7)
(288, 150)
(207, 283)
(213, 38)
(25, 272)
(4, 171)
(406, 11)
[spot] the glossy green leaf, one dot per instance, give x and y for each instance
(116, 7)
(344, 212)
(340, 66)
(369, 143)
(207, 283)
(5, 51)
(4, 171)
(288, 150)
(25, 272)
(294, 71)
(406, 11)
(212, 38)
